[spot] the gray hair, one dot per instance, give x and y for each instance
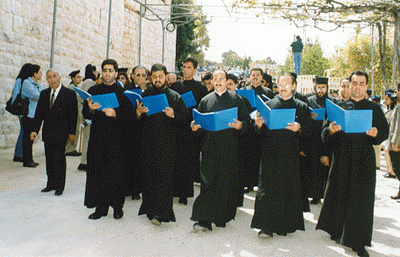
(55, 70)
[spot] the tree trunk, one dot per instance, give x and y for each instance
(396, 40)
(382, 52)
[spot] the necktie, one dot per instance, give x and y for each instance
(52, 100)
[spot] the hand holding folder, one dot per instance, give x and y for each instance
(155, 103)
(104, 101)
(216, 121)
(320, 112)
(188, 99)
(275, 118)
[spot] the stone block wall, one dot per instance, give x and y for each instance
(81, 38)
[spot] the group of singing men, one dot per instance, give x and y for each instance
(162, 154)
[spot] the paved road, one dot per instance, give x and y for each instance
(42, 224)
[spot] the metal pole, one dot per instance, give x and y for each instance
(395, 49)
(53, 35)
(163, 40)
(140, 34)
(109, 30)
(372, 59)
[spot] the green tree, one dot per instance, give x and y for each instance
(191, 34)
(231, 59)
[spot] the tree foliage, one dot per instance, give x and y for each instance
(191, 31)
(232, 59)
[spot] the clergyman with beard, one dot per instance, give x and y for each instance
(158, 148)
(316, 180)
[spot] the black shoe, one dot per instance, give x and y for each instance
(315, 201)
(73, 153)
(17, 159)
(136, 197)
(395, 197)
(183, 200)
(46, 189)
(361, 251)
(30, 164)
(96, 216)
(281, 234)
(388, 175)
(220, 224)
(118, 213)
(58, 192)
(202, 226)
(265, 234)
(82, 167)
(156, 220)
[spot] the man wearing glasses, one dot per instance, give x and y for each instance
(138, 79)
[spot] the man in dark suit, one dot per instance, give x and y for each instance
(57, 109)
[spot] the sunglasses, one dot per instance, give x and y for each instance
(143, 75)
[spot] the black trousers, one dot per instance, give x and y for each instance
(27, 127)
(56, 164)
(395, 158)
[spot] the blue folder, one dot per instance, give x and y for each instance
(275, 118)
(136, 90)
(106, 101)
(189, 100)
(155, 103)
(215, 121)
(133, 96)
(83, 94)
(249, 94)
(265, 98)
(351, 121)
(320, 113)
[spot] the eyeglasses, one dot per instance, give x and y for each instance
(219, 80)
(108, 70)
(138, 75)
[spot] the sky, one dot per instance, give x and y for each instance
(259, 38)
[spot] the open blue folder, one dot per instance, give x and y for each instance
(249, 94)
(136, 90)
(189, 100)
(265, 98)
(275, 118)
(215, 121)
(133, 96)
(351, 121)
(320, 113)
(155, 103)
(83, 94)
(106, 101)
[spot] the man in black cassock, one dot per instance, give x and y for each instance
(256, 75)
(158, 144)
(187, 168)
(278, 206)
(317, 174)
(219, 165)
(105, 174)
(348, 210)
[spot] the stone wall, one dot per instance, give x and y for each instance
(81, 38)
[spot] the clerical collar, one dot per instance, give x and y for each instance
(220, 94)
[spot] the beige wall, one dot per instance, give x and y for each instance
(81, 38)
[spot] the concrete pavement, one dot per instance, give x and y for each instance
(42, 224)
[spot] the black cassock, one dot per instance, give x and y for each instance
(278, 206)
(348, 210)
(317, 173)
(158, 148)
(220, 163)
(105, 183)
(187, 167)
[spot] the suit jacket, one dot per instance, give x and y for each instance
(394, 132)
(60, 121)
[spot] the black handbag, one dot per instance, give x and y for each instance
(19, 106)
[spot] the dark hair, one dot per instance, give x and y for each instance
(294, 77)
(125, 75)
(232, 77)
(359, 73)
(398, 88)
(206, 76)
(89, 72)
(34, 69)
(192, 60)
(257, 69)
(139, 67)
(267, 78)
(24, 73)
(345, 78)
(158, 67)
(110, 61)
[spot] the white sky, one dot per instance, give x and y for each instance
(249, 37)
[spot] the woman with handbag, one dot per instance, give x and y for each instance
(23, 74)
(31, 89)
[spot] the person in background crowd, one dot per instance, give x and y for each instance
(57, 109)
(206, 79)
(344, 89)
(89, 81)
(171, 78)
(76, 80)
(22, 76)
(297, 48)
(348, 210)
(377, 148)
(256, 75)
(335, 94)
(139, 79)
(31, 89)
(390, 104)
(123, 76)
(369, 93)
(394, 142)
(217, 200)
